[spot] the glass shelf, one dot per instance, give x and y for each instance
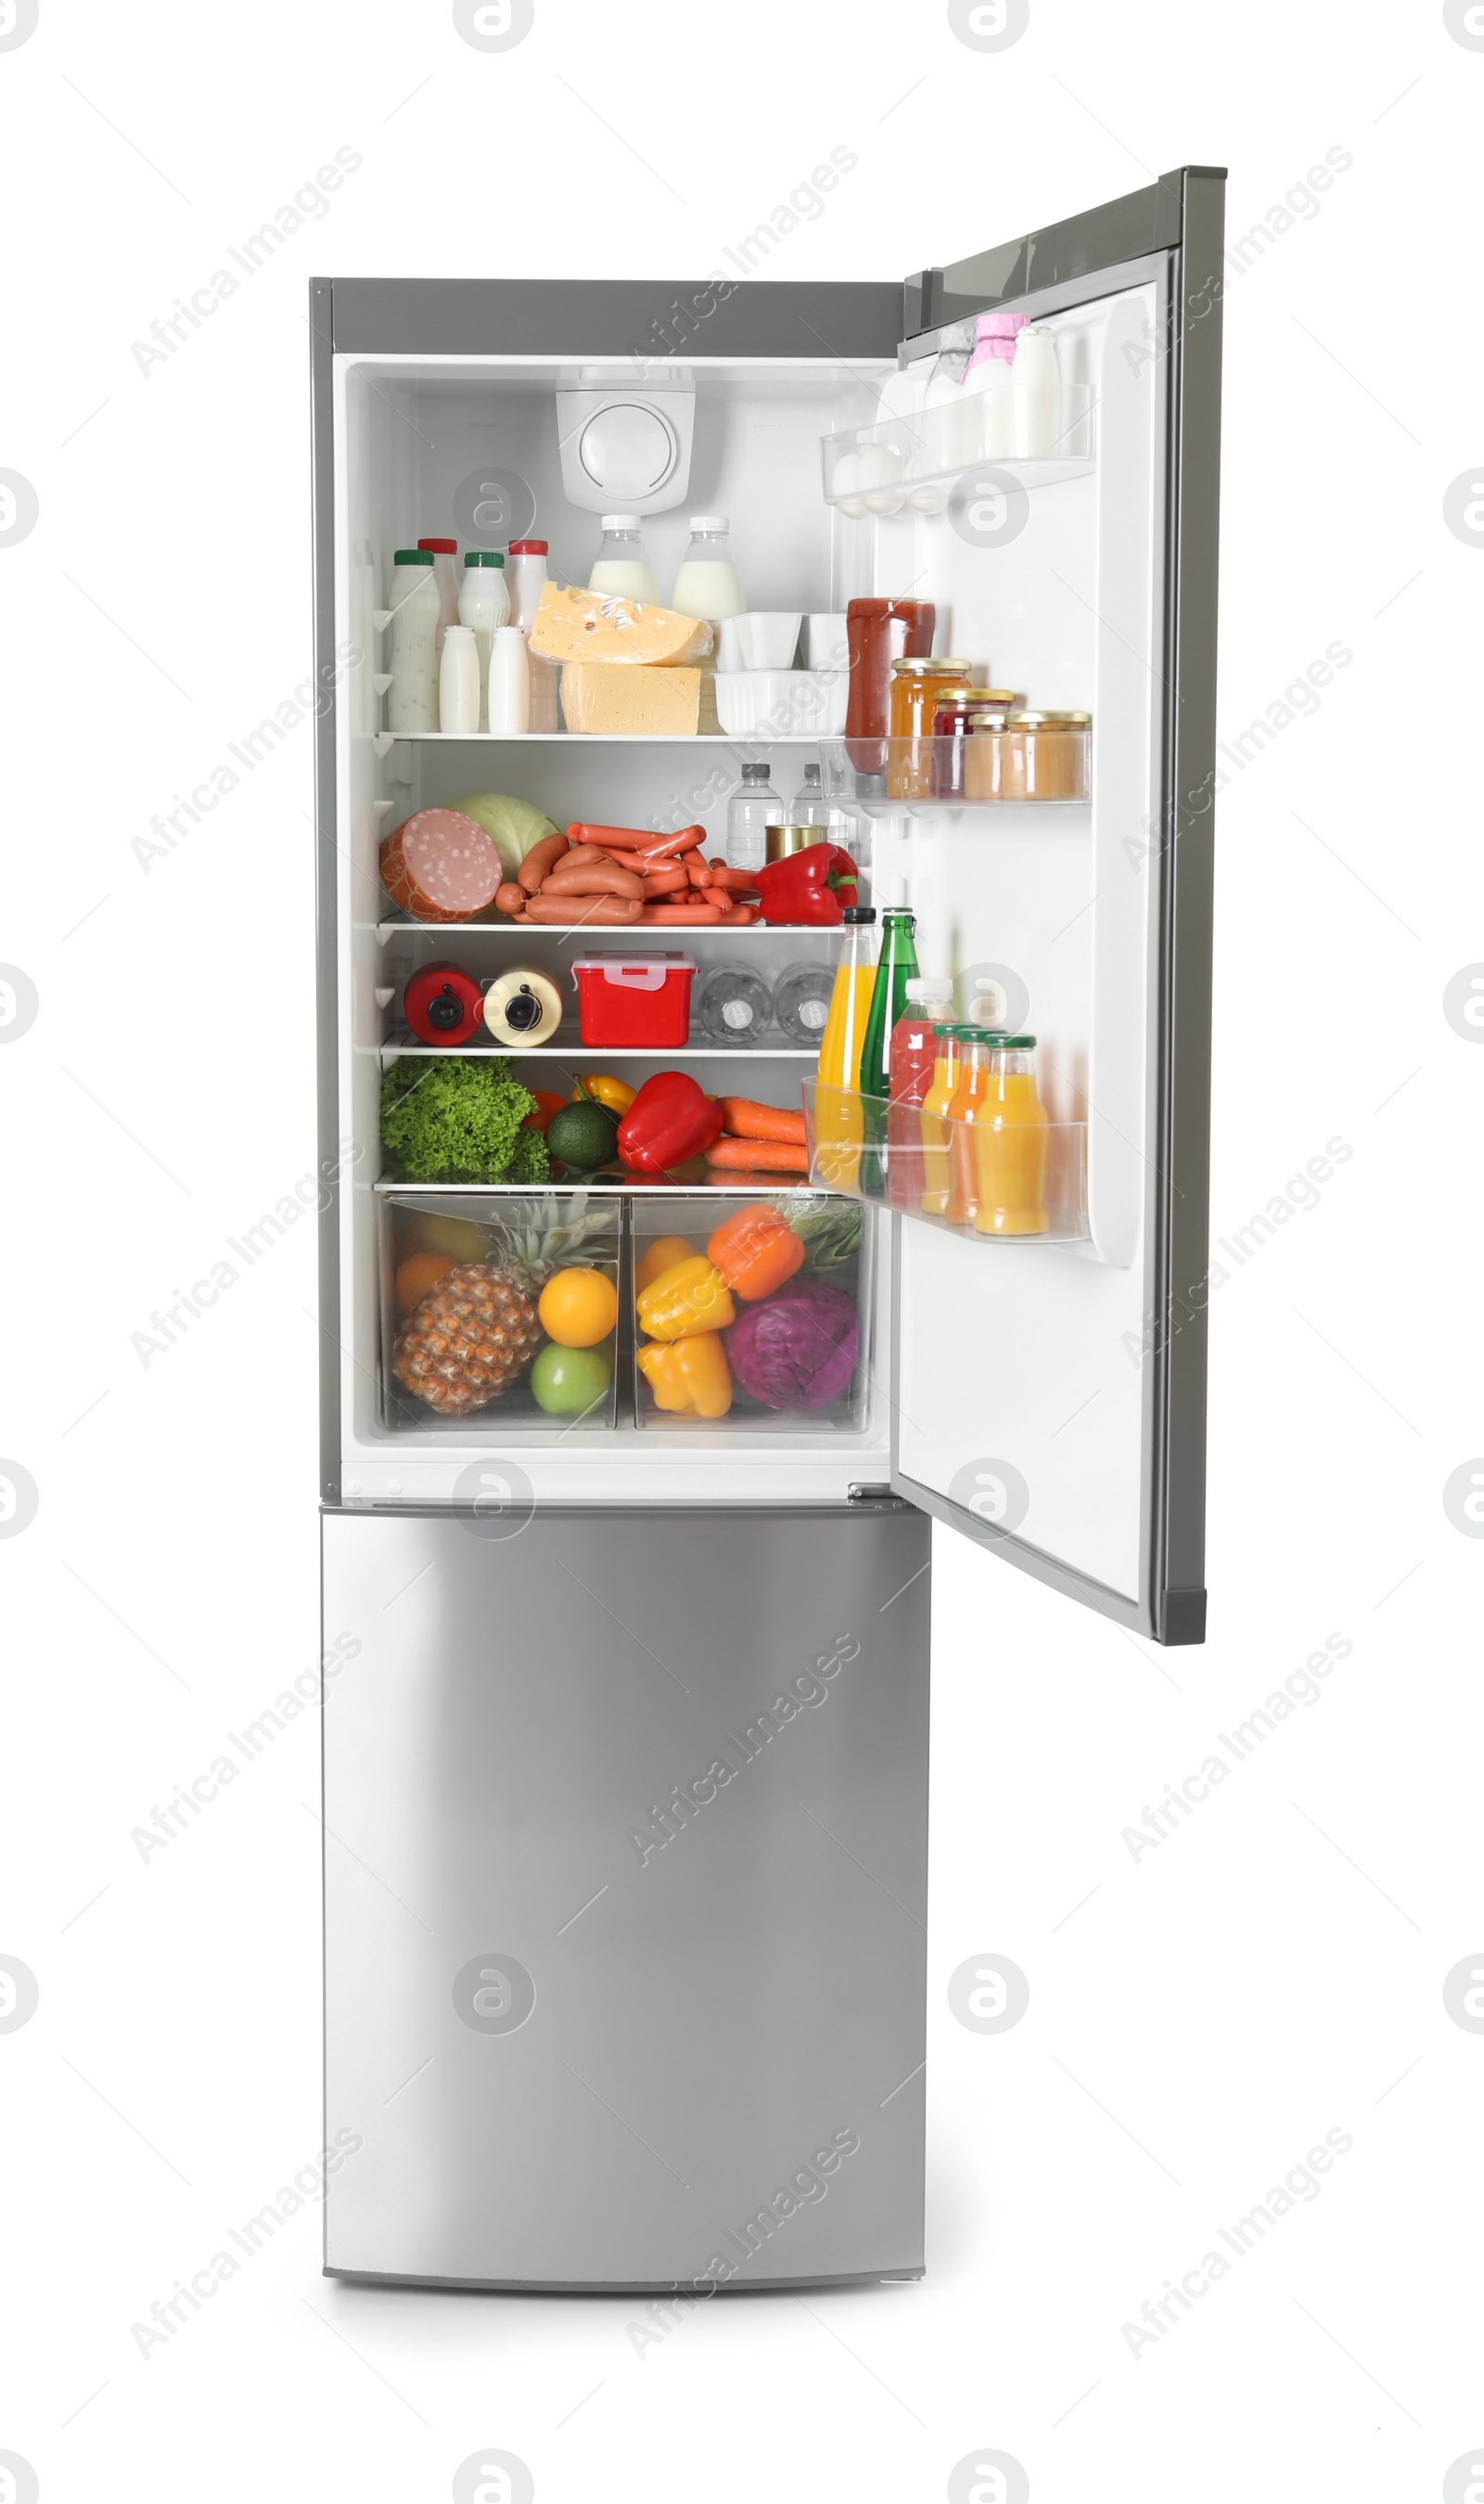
(988, 769)
(913, 465)
(989, 1182)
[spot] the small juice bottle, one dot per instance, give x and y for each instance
(975, 1043)
(946, 1072)
(838, 1128)
(1010, 1142)
(915, 1050)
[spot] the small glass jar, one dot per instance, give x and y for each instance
(959, 710)
(916, 686)
(1046, 756)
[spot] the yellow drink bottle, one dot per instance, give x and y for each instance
(968, 1096)
(1011, 1144)
(946, 1072)
(839, 1127)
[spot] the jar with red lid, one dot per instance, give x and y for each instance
(961, 709)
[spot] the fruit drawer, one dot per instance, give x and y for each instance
(499, 1313)
(752, 1313)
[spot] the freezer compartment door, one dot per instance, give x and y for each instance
(1048, 1395)
(625, 1866)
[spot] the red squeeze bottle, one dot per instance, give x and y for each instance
(913, 1055)
(879, 632)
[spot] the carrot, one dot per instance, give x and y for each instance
(579, 909)
(759, 1155)
(541, 857)
(747, 1119)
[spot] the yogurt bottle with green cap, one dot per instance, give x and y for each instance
(412, 699)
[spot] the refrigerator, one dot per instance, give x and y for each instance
(626, 1709)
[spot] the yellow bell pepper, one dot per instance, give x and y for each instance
(600, 1089)
(660, 1256)
(690, 1377)
(690, 1298)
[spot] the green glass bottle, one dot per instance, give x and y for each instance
(896, 966)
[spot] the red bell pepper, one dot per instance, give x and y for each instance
(811, 886)
(669, 1121)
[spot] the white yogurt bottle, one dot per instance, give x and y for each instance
(526, 573)
(708, 584)
(621, 568)
(987, 431)
(459, 680)
(412, 699)
(445, 574)
(483, 603)
(1036, 382)
(510, 683)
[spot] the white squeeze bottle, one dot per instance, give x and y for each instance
(1036, 381)
(526, 574)
(987, 427)
(445, 574)
(708, 584)
(509, 681)
(458, 679)
(412, 699)
(484, 604)
(621, 568)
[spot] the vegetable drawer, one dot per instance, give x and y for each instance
(752, 1312)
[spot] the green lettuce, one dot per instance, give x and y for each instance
(457, 1120)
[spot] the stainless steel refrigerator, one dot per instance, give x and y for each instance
(626, 1714)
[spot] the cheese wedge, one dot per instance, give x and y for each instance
(628, 702)
(575, 625)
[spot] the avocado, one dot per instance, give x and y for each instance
(583, 1135)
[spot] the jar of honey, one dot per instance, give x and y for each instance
(916, 686)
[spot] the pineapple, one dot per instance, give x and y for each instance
(470, 1338)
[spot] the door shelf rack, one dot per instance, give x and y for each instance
(1034, 1177)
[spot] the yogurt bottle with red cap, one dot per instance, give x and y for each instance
(445, 574)
(526, 575)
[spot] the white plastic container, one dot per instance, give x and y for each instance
(445, 574)
(826, 643)
(483, 603)
(621, 569)
(708, 584)
(782, 703)
(525, 574)
(459, 680)
(510, 683)
(412, 699)
(768, 638)
(1036, 380)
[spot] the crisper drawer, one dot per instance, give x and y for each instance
(752, 1312)
(499, 1313)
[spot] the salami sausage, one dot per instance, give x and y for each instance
(511, 899)
(439, 866)
(541, 857)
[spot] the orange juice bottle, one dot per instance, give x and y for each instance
(1010, 1142)
(839, 1128)
(975, 1043)
(946, 1072)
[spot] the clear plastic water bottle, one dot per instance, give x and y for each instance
(735, 1006)
(754, 807)
(801, 1002)
(810, 808)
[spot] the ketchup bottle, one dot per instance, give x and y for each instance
(913, 1053)
(442, 1004)
(879, 632)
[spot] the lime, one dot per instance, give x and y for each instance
(583, 1135)
(568, 1380)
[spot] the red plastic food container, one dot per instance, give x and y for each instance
(641, 1000)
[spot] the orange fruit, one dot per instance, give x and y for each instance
(578, 1307)
(416, 1274)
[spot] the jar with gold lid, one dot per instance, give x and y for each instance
(1034, 755)
(959, 710)
(916, 686)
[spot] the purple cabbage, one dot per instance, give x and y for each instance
(797, 1349)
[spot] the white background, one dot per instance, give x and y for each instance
(1204, 2016)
